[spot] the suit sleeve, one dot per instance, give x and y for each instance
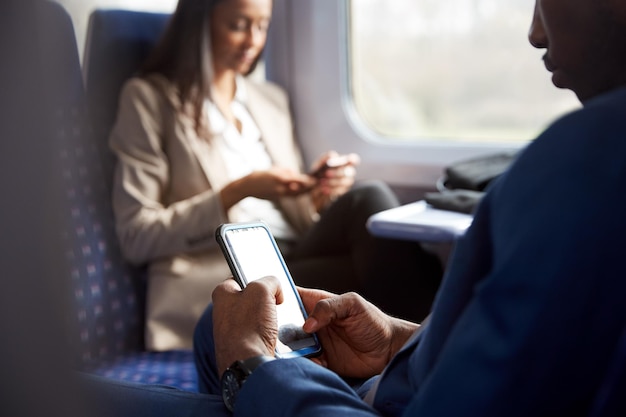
(298, 387)
(147, 227)
(540, 327)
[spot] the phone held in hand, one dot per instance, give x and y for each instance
(252, 253)
(333, 162)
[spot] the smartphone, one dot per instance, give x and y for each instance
(333, 162)
(252, 253)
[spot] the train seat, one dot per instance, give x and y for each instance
(117, 42)
(106, 323)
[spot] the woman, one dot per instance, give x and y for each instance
(198, 144)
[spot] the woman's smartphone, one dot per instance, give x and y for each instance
(252, 253)
(334, 162)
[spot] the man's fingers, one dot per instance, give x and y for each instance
(323, 314)
(329, 309)
(229, 286)
(270, 285)
(311, 296)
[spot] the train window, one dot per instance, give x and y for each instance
(449, 70)
(410, 85)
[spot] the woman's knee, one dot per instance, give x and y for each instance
(374, 195)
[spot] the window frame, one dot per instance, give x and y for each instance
(308, 54)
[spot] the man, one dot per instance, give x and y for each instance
(529, 317)
(531, 310)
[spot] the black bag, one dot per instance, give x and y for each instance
(464, 183)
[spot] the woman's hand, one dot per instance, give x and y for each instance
(272, 184)
(358, 339)
(333, 180)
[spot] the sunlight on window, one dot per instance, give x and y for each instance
(453, 70)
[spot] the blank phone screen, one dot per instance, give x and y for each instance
(257, 256)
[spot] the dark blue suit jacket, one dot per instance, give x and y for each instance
(531, 307)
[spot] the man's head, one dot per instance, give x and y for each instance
(585, 42)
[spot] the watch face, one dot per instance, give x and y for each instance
(230, 388)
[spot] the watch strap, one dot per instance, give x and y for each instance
(236, 374)
(250, 364)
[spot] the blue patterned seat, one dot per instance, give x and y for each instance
(108, 294)
(118, 41)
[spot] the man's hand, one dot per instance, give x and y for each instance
(244, 321)
(358, 339)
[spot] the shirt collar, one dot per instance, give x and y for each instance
(241, 93)
(217, 123)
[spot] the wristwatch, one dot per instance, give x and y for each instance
(236, 374)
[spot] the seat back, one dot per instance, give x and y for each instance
(118, 41)
(34, 291)
(107, 310)
(110, 292)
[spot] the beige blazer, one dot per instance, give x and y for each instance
(166, 198)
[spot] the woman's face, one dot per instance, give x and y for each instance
(238, 33)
